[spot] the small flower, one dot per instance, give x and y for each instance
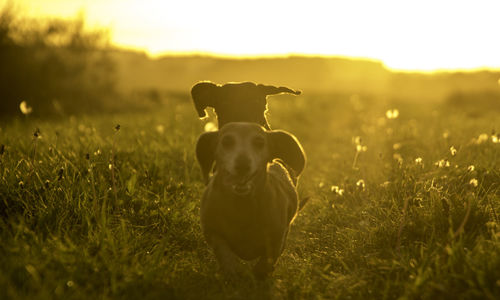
(495, 139)
(392, 114)
(446, 134)
(453, 151)
(442, 163)
(321, 184)
(471, 168)
(110, 166)
(358, 142)
(361, 184)
(473, 182)
(483, 137)
(160, 129)
(25, 108)
(419, 161)
(337, 190)
(360, 148)
(396, 146)
(98, 152)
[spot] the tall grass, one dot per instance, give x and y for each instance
(92, 211)
(58, 66)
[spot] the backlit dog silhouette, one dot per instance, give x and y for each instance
(236, 102)
(251, 200)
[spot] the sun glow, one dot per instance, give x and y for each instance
(423, 35)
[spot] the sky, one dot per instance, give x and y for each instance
(405, 35)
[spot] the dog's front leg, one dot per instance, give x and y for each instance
(273, 249)
(228, 261)
(264, 266)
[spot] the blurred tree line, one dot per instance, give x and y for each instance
(56, 65)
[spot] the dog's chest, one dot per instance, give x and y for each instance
(242, 225)
(238, 217)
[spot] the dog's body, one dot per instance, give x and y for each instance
(251, 200)
(236, 101)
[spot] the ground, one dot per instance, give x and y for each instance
(404, 203)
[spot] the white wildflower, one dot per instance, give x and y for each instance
(453, 151)
(361, 184)
(473, 182)
(25, 108)
(392, 113)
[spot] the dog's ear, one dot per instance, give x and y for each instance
(272, 90)
(286, 147)
(205, 152)
(204, 94)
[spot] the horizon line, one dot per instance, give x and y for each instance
(212, 54)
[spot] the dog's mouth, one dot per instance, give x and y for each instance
(242, 186)
(242, 189)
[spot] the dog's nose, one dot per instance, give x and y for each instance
(242, 164)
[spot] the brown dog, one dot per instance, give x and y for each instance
(251, 200)
(236, 102)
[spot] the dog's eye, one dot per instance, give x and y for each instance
(227, 142)
(258, 142)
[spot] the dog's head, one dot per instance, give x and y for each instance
(236, 102)
(242, 151)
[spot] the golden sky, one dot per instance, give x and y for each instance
(409, 35)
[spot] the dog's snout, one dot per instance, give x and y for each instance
(242, 164)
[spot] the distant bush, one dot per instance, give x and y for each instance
(57, 66)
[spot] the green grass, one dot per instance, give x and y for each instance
(89, 211)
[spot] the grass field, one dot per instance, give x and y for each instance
(405, 207)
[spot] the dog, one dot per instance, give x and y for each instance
(236, 102)
(251, 200)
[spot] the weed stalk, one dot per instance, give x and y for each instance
(112, 165)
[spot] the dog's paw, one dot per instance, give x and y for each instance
(262, 269)
(233, 269)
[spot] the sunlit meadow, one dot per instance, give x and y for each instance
(404, 204)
